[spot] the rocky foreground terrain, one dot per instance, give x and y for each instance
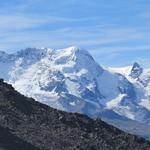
(26, 124)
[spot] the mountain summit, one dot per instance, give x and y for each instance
(136, 71)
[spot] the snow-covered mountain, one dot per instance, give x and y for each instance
(70, 80)
(140, 78)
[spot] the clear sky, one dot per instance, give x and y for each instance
(116, 32)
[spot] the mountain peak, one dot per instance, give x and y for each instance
(74, 55)
(136, 70)
(73, 50)
(135, 64)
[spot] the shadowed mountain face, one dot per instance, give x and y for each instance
(28, 123)
(136, 71)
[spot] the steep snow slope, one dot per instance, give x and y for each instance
(122, 70)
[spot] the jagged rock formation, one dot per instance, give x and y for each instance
(136, 71)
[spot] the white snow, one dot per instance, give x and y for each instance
(145, 103)
(115, 102)
(122, 70)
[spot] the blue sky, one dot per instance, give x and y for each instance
(116, 32)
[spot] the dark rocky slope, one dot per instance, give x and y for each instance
(8, 141)
(28, 121)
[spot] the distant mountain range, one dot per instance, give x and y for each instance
(26, 124)
(70, 80)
